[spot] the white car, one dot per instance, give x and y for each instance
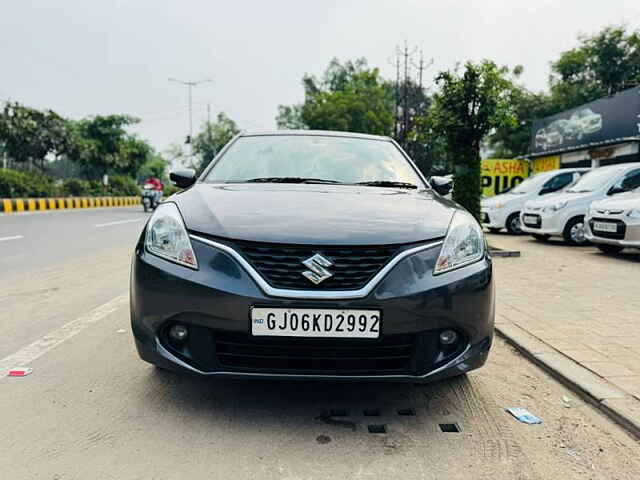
(503, 211)
(613, 224)
(562, 214)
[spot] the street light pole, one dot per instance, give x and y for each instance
(190, 85)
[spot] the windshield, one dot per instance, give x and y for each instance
(333, 159)
(593, 180)
(530, 185)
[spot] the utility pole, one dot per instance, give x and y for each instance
(190, 85)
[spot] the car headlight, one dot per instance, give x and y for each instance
(635, 213)
(464, 243)
(556, 206)
(167, 236)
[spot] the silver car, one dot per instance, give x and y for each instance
(613, 224)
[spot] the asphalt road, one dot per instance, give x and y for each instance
(92, 410)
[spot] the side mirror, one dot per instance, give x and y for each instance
(183, 178)
(441, 185)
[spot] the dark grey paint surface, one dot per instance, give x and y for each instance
(314, 214)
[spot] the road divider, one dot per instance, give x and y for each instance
(17, 205)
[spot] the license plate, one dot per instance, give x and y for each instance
(530, 219)
(605, 227)
(312, 322)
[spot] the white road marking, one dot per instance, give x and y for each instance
(119, 222)
(28, 354)
(6, 239)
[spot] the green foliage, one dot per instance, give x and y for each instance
(33, 184)
(155, 166)
(466, 108)
(74, 187)
(122, 185)
(290, 117)
(513, 138)
(14, 184)
(210, 140)
(102, 145)
(601, 65)
(350, 97)
(30, 135)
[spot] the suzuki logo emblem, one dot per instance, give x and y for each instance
(317, 272)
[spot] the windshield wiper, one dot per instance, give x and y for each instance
(387, 183)
(286, 180)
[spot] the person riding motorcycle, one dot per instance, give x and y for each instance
(153, 184)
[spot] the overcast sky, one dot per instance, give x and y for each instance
(82, 57)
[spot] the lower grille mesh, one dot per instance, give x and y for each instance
(240, 351)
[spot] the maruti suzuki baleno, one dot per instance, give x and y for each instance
(312, 255)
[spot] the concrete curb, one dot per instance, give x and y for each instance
(617, 404)
(17, 205)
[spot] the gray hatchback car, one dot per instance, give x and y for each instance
(319, 255)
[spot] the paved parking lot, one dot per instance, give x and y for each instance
(578, 300)
(92, 409)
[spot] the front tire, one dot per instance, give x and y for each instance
(609, 249)
(514, 227)
(573, 232)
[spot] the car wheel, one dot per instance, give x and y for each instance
(514, 227)
(494, 229)
(610, 249)
(540, 237)
(573, 232)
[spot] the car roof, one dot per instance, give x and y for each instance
(315, 133)
(620, 166)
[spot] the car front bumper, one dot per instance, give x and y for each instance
(215, 302)
(493, 218)
(549, 223)
(627, 235)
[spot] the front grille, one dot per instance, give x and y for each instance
(617, 235)
(240, 351)
(281, 265)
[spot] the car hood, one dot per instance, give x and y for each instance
(314, 214)
(621, 201)
(554, 198)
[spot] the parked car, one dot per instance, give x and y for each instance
(613, 224)
(503, 211)
(312, 255)
(562, 214)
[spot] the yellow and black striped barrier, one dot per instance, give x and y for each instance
(16, 205)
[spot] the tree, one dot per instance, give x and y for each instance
(102, 145)
(290, 117)
(465, 109)
(210, 140)
(29, 136)
(349, 97)
(155, 166)
(601, 65)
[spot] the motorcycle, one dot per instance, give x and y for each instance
(150, 197)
